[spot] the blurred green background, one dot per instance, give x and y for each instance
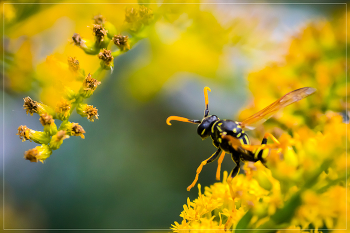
(132, 170)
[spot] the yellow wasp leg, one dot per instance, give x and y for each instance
(272, 137)
(221, 158)
(199, 169)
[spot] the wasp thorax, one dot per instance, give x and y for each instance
(204, 127)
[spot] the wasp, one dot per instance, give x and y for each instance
(229, 136)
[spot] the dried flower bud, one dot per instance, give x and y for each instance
(121, 42)
(88, 111)
(57, 139)
(39, 153)
(99, 19)
(146, 14)
(28, 134)
(107, 59)
(49, 124)
(73, 64)
(99, 32)
(32, 106)
(77, 130)
(77, 40)
(23, 132)
(89, 86)
(131, 15)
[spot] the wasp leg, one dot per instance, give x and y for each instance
(219, 165)
(264, 141)
(233, 173)
(199, 169)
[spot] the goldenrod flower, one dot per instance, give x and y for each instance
(63, 109)
(121, 42)
(28, 134)
(32, 106)
(99, 19)
(88, 111)
(72, 129)
(89, 86)
(106, 59)
(39, 153)
(99, 32)
(73, 64)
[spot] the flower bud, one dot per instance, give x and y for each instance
(57, 139)
(121, 42)
(39, 153)
(106, 59)
(100, 34)
(63, 109)
(89, 86)
(49, 124)
(88, 111)
(72, 129)
(88, 46)
(32, 106)
(37, 136)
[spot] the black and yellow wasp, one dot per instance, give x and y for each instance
(229, 136)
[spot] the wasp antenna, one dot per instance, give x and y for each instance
(183, 119)
(206, 111)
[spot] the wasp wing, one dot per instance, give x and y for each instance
(263, 115)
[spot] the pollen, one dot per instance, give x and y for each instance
(30, 105)
(99, 32)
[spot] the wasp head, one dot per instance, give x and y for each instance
(204, 127)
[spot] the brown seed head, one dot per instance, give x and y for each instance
(31, 155)
(30, 105)
(99, 32)
(73, 64)
(46, 119)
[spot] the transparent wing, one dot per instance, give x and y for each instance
(266, 113)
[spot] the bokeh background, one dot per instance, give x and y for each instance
(131, 170)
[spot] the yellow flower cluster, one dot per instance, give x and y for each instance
(305, 185)
(65, 85)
